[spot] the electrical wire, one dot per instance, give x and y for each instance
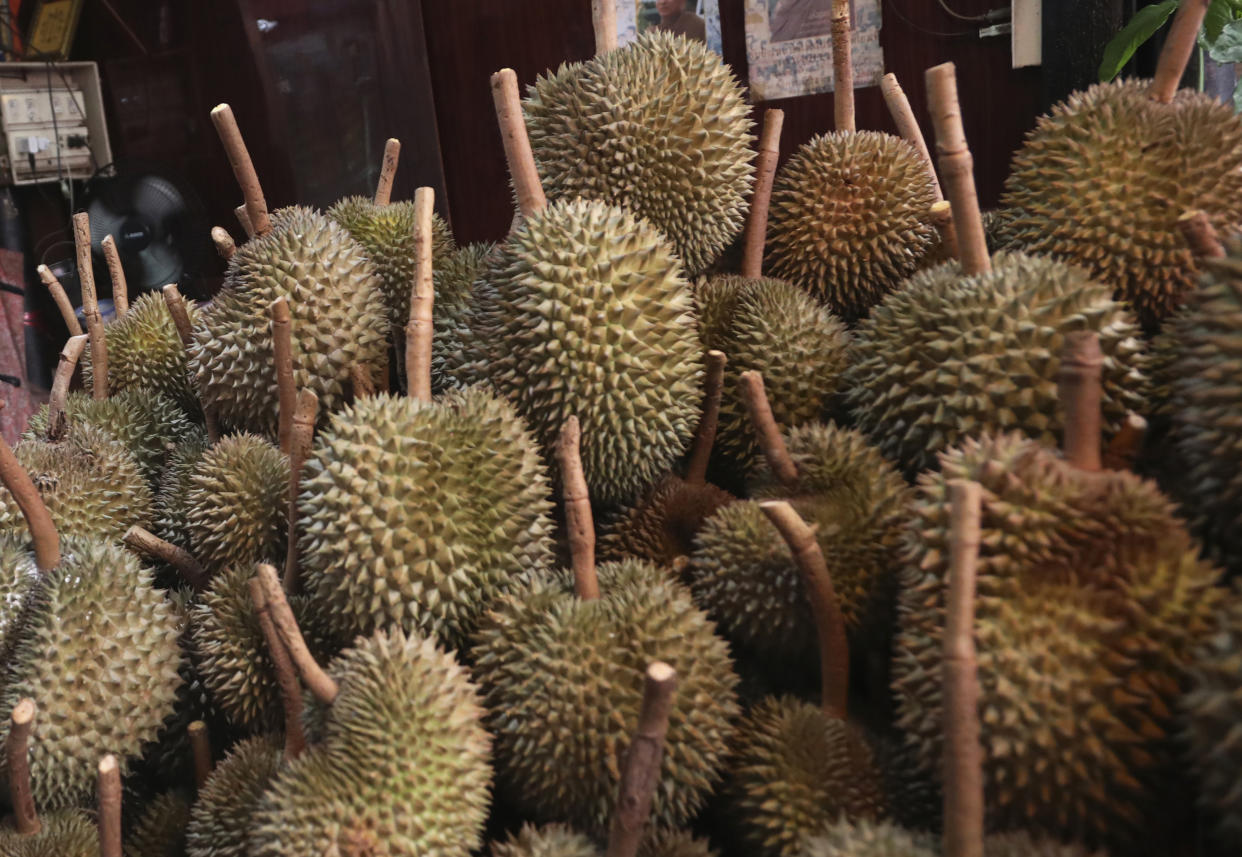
(892, 5)
(945, 6)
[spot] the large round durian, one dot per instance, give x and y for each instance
(171, 511)
(586, 313)
(220, 818)
(660, 127)
(1102, 179)
(160, 828)
(98, 652)
(66, 833)
(338, 321)
(401, 768)
(948, 357)
(417, 515)
(563, 681)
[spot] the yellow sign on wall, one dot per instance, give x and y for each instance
(52, 29)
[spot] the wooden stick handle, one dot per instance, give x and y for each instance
(604, 20)
(518, 154)
(62, 300)
(200, 748)
(1178, 47)
(1078, 387)
(301, 438)
(243, 217)
(181, 320)
(908, 126)
(243, 169)
(120, 288)
(761, 200)
(388, 171)
(316, 679)
(147, 544)
(957, 168)
(21, 724)
(963, 756)
(57, 420)
(1123, 449)
(767, 432)
(34, 510)
(90, 305)
(705, 436)
(942, 219)
(282, 356)
(834, 651)
(225, 245)
(578, 519)
(420, 330)
(641, 772)
(286, 673)
(108, 793)
(842, 67)
(1199, 233)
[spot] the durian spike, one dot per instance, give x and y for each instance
(518, 154)
(761, 199)
(22, 721)
(243, 169)
(1078, 387)
(604, 20)
(640, 774)
(361, 381)
(767, 432)
(108, 793)
(963, 757)
(1200, 235)
(388, 171)
(90, 305)
(907, 126)
(842, 67)
(834, 652)
(244, 219)
(420, 329)
(286, 674)
(225, 245)
(578, 519)
(322, 685)
(62, 300)
(1123, 449)
(200, 750)
(38, 519)
(57, 421)
(181, 320)
(942, 219)
(147, 544)
(957, 168)
(301, 437)
(120, 288)
(282, 357)
(1178, 46)
(705, 435)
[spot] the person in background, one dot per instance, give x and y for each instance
(675, 19)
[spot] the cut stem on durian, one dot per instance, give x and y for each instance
(842, 67)
(316, 679)
(579, 523)
(518, 153)
(282, 358)
(1079, 388)
(200, 752)
(604, 22)
(243, 217)
(388, 171)
(420, 330)
(90, 305)
(1122, 451)
(302, 436)
(767, 432)
(38, 519)
(1178, 46)
(116, 273)
(957, 169)
(286, 673)
(57, 421)
(181, 320)
(942, 219)
(108, 795)
(147, 544)
(761, 199)
(705, 435)
(243, 169)
(61, 300)
(20, 795)
(225, 245)
(1200, 235)
(907, 125)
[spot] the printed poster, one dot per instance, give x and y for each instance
(789, 46)
(696, 19)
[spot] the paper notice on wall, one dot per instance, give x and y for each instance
(697, 19)
(789, 46)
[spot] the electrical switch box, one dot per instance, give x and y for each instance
(52, 119)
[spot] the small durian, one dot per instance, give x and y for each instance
(170, 496)
(220, 817)
(549, 840)
(159, 830)
(454, 282)
(660, 128)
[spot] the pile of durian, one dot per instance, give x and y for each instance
(915, 530)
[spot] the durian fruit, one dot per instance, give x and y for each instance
(335, 298)
(661, 128)
(220, 817)
(418, 514)
(454, 281)
(159, 830)
(234, 504)
(557, 840)
(170, 497)
(884, 839)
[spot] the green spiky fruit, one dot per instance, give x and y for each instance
(171, 510)
(796, 769)
(772, 327)
(1102, 179)
(67, 833)
(1091, 599)
(453, 307)
(402, 767)
(563, 681)
(90, 483)
(338, 321)
(659, 127)
(865, 838)
(145, 352)
(851, 218)
(947, 357)
(458, 493)
(220, 818)
(160, 828)
(98, 653)
(585, 313)
(236, 503)
(557, 840)
(662, 526)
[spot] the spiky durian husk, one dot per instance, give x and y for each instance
(1022, 844)
(160, 828)
(453, 307)
(418, 785)
(1102, 179)
(794, 770)
(90, 483)
(674, 843)
(585, 313)
(770, 326)
(459, 493)
(145, 352)
(220, 818)
(549, 840)
(851, 218)
(336, 304)
(99, 655)
(662, 526)
(67, 833)
(563, 680)
(948, 357)
(236, 503)
(659, 127)
(1090, 599)
(170, 499)
(866, 838)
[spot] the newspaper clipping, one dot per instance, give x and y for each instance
(789, 46)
